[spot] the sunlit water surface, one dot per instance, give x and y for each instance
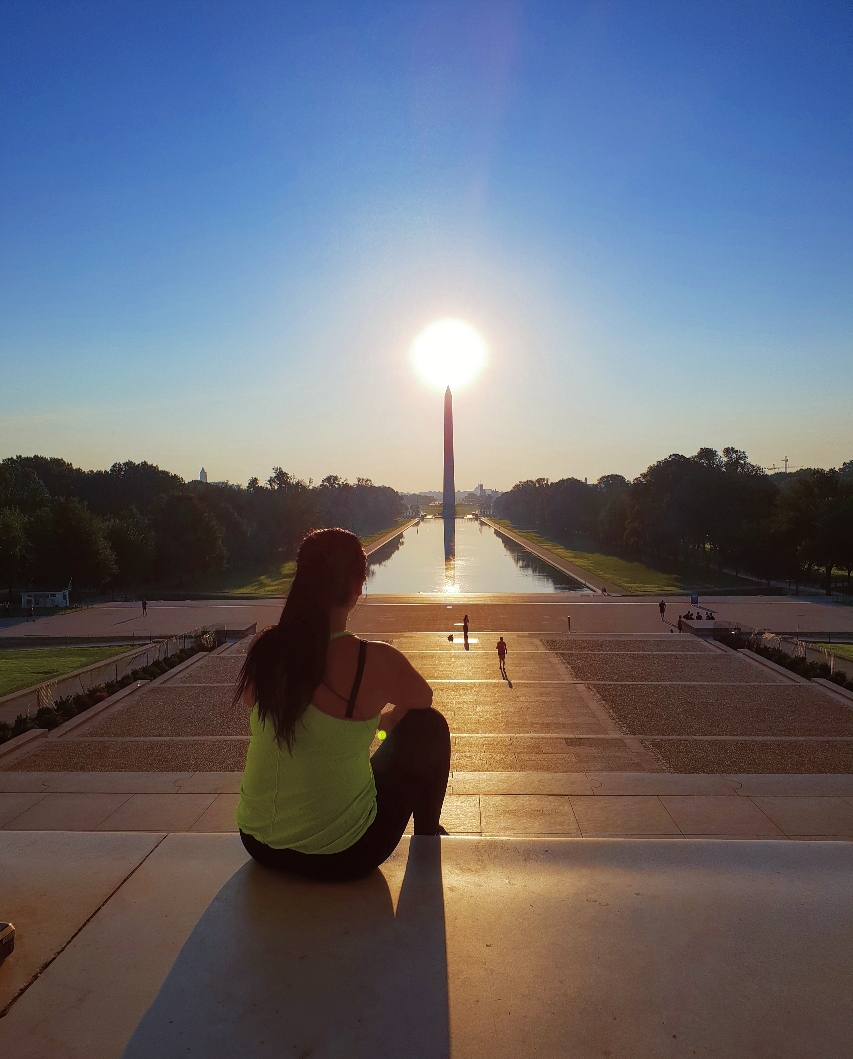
(484, 562)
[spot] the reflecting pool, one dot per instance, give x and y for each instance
(479, 560)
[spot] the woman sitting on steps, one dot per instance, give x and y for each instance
(312, 800)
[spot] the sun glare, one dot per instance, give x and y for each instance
(449, 353)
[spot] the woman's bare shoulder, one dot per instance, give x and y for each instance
(389, 659)
(381, 649)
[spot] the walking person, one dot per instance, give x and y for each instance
(144, 607)
(662, 609)
(312, 800)
(465, 631)
(501, 646)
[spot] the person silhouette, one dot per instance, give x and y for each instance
(501, 647)
(662, 609)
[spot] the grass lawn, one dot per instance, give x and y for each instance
(635, 578)
(373, 537)
(21, 669)
(843, 650)
(271, 582)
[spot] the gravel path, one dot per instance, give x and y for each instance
(686, 668)
(783, 709)
(682, 645)
(172, 710)
(744, 757)
(172, 755)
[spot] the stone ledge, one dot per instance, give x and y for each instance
(93, 711)
(12, 746)
(840, 694)
(789, 675)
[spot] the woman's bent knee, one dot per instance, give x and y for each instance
(430, 724)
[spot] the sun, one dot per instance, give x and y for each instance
(449, 353)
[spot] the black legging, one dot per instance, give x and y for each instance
(410, 769)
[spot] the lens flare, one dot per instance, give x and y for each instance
(449, 353)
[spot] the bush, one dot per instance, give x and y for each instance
(801, 666)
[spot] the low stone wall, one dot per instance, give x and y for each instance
(29, 700)
(801, 649)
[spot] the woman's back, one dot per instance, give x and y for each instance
(319, 798)
(315, 694)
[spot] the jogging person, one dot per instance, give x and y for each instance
(312, 800)
(501, 646)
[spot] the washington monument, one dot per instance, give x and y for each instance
(449, 499)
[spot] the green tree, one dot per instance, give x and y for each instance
(13, 544)
(70, 543)
(833, 536)
(132, 540)
(20, 486)
(189, 539)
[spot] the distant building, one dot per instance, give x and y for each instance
(203, 476)
(58, 598)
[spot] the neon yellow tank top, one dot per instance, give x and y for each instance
(319, 799)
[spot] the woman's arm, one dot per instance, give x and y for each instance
(404, 686)
(408, 689)
(390, 717)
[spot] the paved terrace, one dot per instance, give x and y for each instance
(589, 614)
(654, 938)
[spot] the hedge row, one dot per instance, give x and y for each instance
(802, 666)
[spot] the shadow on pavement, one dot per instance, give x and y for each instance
(279, 966)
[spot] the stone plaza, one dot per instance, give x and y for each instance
(631, 817)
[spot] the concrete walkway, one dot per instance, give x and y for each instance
(590, 613)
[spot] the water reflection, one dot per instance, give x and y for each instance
(450, 584)
(527, 561)
(449, 538)
(383, 554)
(460, 556)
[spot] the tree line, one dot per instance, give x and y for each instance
(137, 525)
(711, 508)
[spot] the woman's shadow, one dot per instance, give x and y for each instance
(280, 966)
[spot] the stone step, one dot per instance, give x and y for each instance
(581, 805)
(473, 947)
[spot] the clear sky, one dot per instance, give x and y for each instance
(222, 225)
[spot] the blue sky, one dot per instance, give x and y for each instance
(222, 225)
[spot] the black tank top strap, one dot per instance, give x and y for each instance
(359, 673)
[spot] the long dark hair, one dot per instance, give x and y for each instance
(287, 661)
